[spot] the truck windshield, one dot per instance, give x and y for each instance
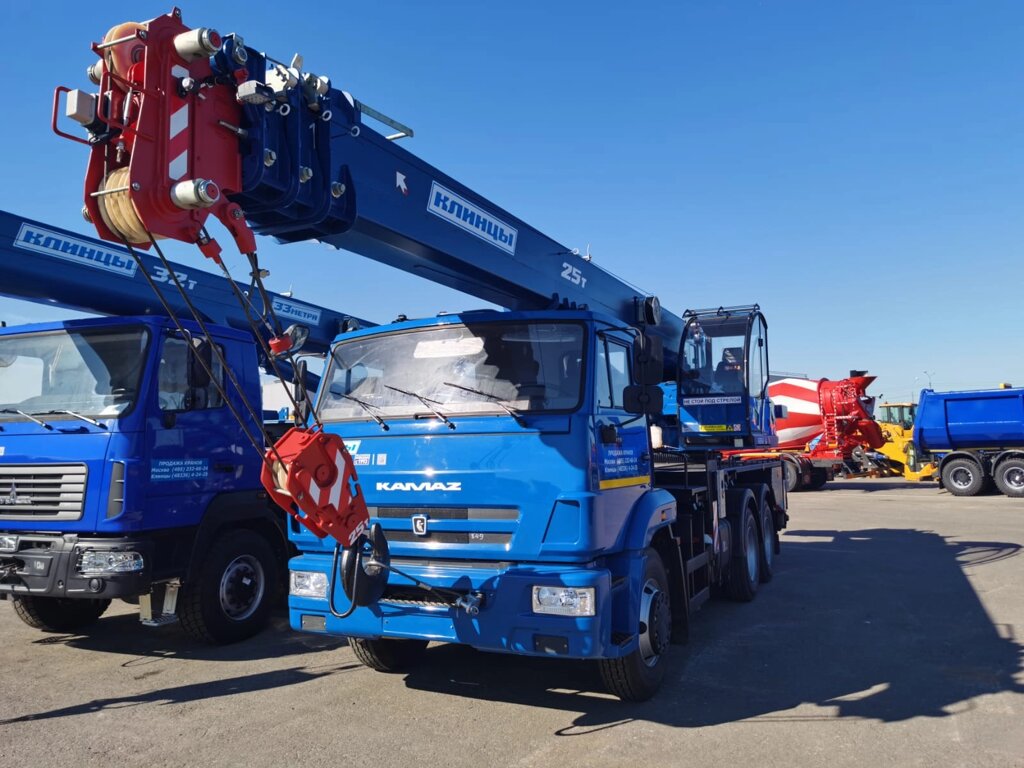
(713, 357)
(460, 369)
(93, 372)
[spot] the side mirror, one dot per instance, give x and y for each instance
(780, 411)
(298, 335)
(301, 393)
(643, 399)
(200, 362)
(648, 360)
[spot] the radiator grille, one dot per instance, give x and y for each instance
(53, 492)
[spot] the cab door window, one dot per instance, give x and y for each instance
(612, 373)
(175, 389)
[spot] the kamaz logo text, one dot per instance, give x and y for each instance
(424, 486)
(90, 254)
(13, 499)
(463, 214)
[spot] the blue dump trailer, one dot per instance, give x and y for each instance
(975, 437)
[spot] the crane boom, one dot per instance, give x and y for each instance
(49, 265)
(276, 150)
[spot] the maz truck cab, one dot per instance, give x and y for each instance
(123, 474)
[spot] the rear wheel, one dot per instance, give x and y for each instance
(818, 479)
(745, 563)
(387, 655)
(58, 614)
(963, 477)
(1010, 477)
(638, 676)
(230, 599)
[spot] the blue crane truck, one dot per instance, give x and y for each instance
(530, 488)
(122, 471)
(975, 437)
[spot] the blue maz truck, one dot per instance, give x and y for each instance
(538, 493)
(123, 473)
(975, 437)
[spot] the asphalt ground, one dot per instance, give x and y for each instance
(892, 634)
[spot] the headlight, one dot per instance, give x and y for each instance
(308, 584)
(93, 561)
(564, 601)
(8, 543)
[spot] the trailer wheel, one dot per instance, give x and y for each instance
(638, 676)
(1010, 477)
(58, 614)
(818, 479)
(745, 563)
(963, 477)
(230, 599)
(387, 655)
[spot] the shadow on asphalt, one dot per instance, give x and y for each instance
(877, 624)
(124, 635)
(869, 485)
(182, 694)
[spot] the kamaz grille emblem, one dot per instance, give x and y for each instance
(419, 525)
(13, 499)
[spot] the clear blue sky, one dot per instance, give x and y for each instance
(855, 167)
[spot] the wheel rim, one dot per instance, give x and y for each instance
(751, 537)
(961, 477)
(768, 540)
(1014, 478)
(655, 622)
(241, 588)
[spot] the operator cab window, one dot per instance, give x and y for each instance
(174, 390)
(612, 373)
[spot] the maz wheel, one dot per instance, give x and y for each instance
(58, 614)
(638, 676)
(230, 599)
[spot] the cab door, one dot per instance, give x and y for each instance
(191, 435)
(621, 439)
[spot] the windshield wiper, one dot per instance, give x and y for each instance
(369, 409)
(74, 415)
(28, 416)
(427, 403)
(494, 399)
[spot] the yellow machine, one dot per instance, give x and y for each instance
(897, 423)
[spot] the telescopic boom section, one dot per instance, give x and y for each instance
(188, 123)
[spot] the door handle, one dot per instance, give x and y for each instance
(609, 434)
(224, 468)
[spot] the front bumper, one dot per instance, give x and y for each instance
(44, 565)
(505, 623)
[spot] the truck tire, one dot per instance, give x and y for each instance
(230, 599)
(1010, 477)
(387, 655)
(766, 532)
(638, 676)
(963, 477)
(58, 614)
(818, 479)
(745, 563)
(790, 476)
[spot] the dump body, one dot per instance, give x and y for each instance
(975, 437)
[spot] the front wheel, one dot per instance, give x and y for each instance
(1010, 477)
(388, 655)
(230, 599)
(58, 614)
(638, 676)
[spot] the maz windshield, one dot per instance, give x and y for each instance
(94, 373)
(458, 369)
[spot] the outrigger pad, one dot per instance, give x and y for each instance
(310, 475)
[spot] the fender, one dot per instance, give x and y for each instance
(1010, 453)
(981, 460)
(242, 509)
(654, 510)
